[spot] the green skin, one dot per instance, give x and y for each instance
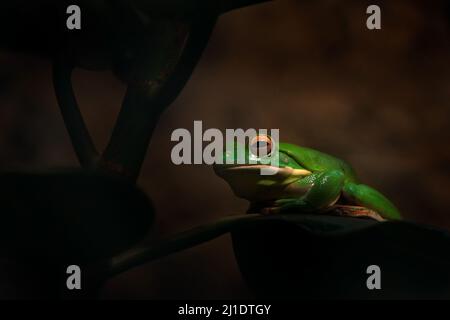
(306, 181)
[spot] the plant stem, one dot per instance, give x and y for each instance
(79, 135)
(138, 256)
(337, 217)
(144, 102)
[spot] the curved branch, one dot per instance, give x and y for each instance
(338, 218)
(138, 256)
(143, 106)
(79, 135)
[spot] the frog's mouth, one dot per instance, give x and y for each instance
(263, 170)
(259, 182)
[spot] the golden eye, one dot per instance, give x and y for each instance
(261, 146)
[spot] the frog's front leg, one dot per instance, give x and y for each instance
(324, 192)
(370, 198)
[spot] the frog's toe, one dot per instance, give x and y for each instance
(277, 206)
(284, 202)
(286, 205)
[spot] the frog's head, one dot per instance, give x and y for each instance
(260, 170)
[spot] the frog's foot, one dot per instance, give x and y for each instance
(353, 211)
(362, 195)
(292, 206)
(287, 206)
(325, 191)
(270, 210)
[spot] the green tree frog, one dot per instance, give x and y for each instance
(306, 180)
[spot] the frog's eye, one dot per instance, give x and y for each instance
(261, 146)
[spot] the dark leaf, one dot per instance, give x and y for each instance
(327, 257)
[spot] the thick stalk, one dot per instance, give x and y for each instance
(73, 119)
(144, 102)
(138, 256)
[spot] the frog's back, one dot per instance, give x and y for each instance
(315, 160)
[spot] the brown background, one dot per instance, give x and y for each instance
(379, 99)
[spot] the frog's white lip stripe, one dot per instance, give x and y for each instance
(283, 170)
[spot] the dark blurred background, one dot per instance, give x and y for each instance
(379, 99)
